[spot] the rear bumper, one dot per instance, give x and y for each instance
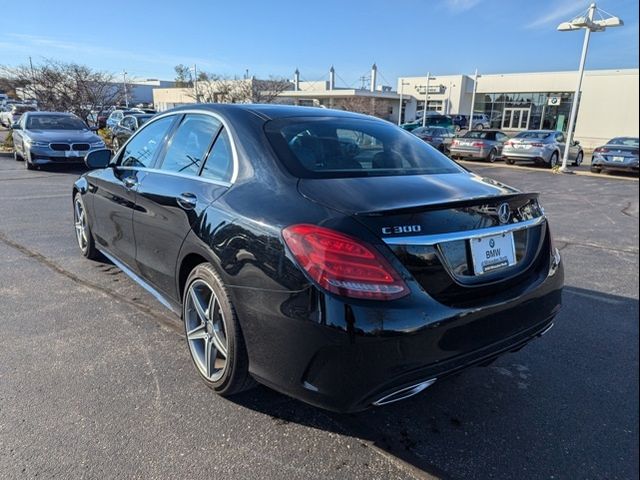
(530, 155)
(626, 166)
(345, 355)
(469, 153)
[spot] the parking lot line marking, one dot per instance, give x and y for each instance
(171, 322)
(547, 170)
(37, 197)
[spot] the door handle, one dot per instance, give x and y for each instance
(187, 201)
(130, 182)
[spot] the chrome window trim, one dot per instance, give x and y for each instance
(225, 125)
(464, 234)
(177, 174)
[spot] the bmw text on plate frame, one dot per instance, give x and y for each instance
(301, 290)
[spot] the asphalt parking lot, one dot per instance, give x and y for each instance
(96, 382)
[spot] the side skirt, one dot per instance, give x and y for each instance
(171, 305)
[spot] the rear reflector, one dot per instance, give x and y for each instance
(342, 264)
(478, 144)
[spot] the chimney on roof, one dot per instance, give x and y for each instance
(296, 80)
(332, 78)
(374, 77)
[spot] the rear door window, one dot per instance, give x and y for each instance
(219, 164)
(190, 144)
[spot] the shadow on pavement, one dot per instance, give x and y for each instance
(563, 407)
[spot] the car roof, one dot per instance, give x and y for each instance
(271, 111)
(139, 114)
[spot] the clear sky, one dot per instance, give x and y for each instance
(410, 37)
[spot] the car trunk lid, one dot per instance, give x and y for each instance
(430, 221)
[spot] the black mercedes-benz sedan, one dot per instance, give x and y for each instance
(331, 256)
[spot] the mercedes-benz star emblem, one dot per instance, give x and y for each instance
(504, 213)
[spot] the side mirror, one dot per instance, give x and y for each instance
(576, 142)
(16, 126)
(98, 158)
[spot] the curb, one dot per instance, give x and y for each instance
(552, 172)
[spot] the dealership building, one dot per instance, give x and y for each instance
(608, 104)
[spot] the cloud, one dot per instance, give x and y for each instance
(51, 47)
(562, 11)
(459, 6)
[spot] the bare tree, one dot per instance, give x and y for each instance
(65, 87)
(213, 88)
(183, 76)
(367, 105)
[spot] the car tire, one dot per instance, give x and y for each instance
(215, 333)
(578, 161)
(493, 155)
(553, 161)
(84, 237)
(479, 127)
(595, 169)
(16, 157)
(510, 161)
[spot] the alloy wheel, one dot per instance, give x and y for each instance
(205, 328)
(80, 221)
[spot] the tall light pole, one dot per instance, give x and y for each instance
(195, 83)
(402, 84)
(124, 84)
(587, 22)
(426, 99)
(473, 99)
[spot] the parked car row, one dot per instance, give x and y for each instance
(11, 113)
(542, 147)
(480, 121)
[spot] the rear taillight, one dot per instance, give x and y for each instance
(455, 142)
(537, 144)
(342, 264)
(427, 139)
(601, 150)
(509, 144)
(478, 144)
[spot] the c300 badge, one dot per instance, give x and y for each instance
(398, 229)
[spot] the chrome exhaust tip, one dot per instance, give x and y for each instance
(403, 393)
(549, 327)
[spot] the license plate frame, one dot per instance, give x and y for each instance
(491, 253)
(617, 159)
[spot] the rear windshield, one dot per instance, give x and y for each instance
(539, 135)
(626, 141)
(480, 134)
(325, 147)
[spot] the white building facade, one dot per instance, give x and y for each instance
(608, 105)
